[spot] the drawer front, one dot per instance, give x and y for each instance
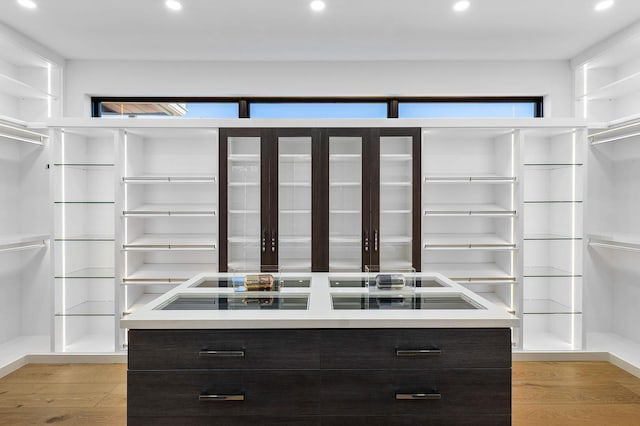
(223, 349)
(211, 393)
(415, 348)
(439, 393)
(226, 421)
(416, 421)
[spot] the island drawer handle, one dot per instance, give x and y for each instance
(418, 396)
(218, 397)
(418, 352)
(221, 354)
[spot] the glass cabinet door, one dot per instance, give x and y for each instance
(345, 203)
(394, 238)
(294, 203)
(243, 197)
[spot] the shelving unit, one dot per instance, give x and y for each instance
(613, 242)
(167, 199)
(470, 208)
(553, 197)
(607, 83)
(83, 163)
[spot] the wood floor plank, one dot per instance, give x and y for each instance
(576, 414)
(69, 373)
(64, 416)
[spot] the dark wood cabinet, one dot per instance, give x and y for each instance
(327, 377)
(319, 200)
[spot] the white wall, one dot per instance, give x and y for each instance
(552, 79)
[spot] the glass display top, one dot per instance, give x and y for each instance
(354, 283)
(402, 301)
(259, 300)
(279, 282)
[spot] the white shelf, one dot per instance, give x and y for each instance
(243, 240)
(244, 211)
(172, 210)
(394, 211)
(396, 157)
(295, 211)
(244, 157)
(296, 184)
(343, 184)
(396, 184)
(15, 242)
(17, 88)
(294, 240)
(624, 349)
(172, 242)
(465, 241)
(90, 308)
(243, 184)
(546, 306)
(466, 210)
(548, 271)
(457, 178)
(495, 299)
(158, 179)
(471, 272)
(14, 349)
(140, 302)
(616, 242)
(344, 240)
(168, 272)
(616, 89)
(344, 157)
(295, 157)
(344, 211)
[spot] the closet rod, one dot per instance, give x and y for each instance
(615, 138)
(614, 246)
(615, 129)
(23, 130)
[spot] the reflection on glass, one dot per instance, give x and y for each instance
(400, 301)
(237, 301)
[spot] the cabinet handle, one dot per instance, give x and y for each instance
(205, 353)
(219, 397)
(418, 396)
(264, 242)
(375, 240)
(418, 352)
(366, 241)
(273, 242)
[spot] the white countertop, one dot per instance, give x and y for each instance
(319, 312)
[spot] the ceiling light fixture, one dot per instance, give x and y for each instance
(173, 5)
(603, 5)
(317, 5)
(461, 6)
(29, 4)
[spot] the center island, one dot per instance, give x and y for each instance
(319, 349)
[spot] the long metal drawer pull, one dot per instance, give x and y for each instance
(214, 398)
(213, 354)
(418, 352)
(418, 396)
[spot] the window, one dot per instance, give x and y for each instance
(470, 109)
(317, 110)
(367, 107)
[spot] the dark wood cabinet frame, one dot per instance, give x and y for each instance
(319, 192)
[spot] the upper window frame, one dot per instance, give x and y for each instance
(244, 103)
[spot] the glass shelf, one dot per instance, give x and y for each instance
(244, 158)
(91, 308)
(550, 237)
(100, 273)
(150, 242)
(356, 184)
(470, 272)
(467, 210)
(546, 306)
(470, 179)
(84, 202)
(295, 184)
(172, 210)
(552, 165)
(547, 271)
(85, 165)
(244, 184)
(552, 202)
(399, 184)
(154, 179)
(87, 238)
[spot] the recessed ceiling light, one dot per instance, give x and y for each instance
(461, 6)
(317, 5)
(603, 5)
(29, 4)
(173, 5)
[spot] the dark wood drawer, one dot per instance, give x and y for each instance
(226, 421)
(415, 348)
(416, 421)
(278, 393)
(439, 393)
(223, 349)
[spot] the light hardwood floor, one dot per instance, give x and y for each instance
(544, 393)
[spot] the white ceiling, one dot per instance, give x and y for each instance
(345, 30)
